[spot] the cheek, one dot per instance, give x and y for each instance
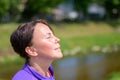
(46, 50)
(46, 47)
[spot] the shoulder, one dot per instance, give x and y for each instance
(22, 75)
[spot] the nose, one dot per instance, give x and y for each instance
(57, 40)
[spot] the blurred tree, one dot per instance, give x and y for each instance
(81, 5)
(4, 6)
(15, 8)
(39, 8)
(112, 8)
(9, 9)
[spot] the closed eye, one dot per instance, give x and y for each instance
(49, 35)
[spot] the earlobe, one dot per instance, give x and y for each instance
(31, 51)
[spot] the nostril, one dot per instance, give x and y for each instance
(57, 40)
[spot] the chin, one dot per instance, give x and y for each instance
(59, 56)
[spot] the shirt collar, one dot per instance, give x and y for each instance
(37, 74)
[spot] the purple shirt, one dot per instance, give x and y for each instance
(28, 73)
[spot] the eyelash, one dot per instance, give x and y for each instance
(48, 37)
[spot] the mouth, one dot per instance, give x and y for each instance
(58, 48)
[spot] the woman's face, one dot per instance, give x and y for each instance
(45, 43)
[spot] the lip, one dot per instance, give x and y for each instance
(58, 48)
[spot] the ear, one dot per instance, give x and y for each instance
(31, 51)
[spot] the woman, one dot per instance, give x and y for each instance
(36, 42)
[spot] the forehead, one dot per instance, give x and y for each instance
(42, 27)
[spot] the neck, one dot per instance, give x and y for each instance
(41, 66)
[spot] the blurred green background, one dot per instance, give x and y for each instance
(89, 31)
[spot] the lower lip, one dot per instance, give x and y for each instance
(58, 49)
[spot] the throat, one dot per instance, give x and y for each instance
(40, 70)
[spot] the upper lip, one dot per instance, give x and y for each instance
(57, 47)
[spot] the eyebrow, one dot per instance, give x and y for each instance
(49, 33)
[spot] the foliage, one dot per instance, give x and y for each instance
(9, 9)
(81, 5)
(112, 8)
(15, 8)
(110, 5)
(4, 6)
(36, 7)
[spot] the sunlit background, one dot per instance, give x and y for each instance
(89, 31)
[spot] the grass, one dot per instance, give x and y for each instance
(88, 41)
(5, 31)
(114, 76)
(86, 29)
(72, 35)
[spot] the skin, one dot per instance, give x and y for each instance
(44, 50)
